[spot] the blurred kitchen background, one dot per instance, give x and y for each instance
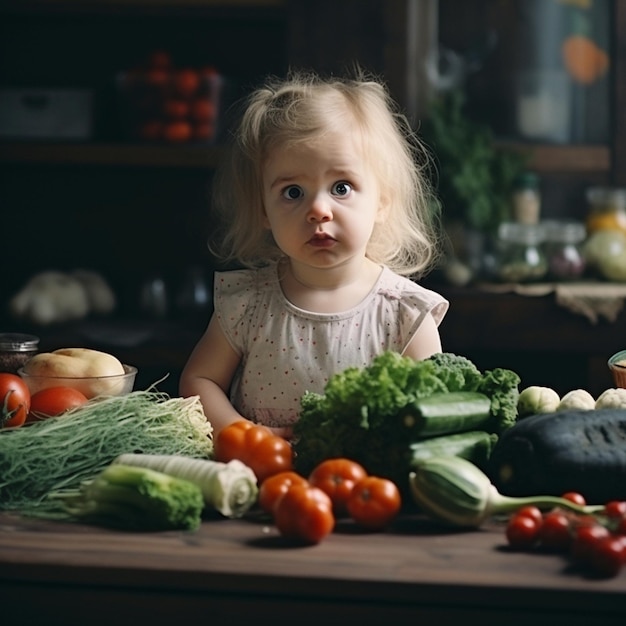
(112, 114)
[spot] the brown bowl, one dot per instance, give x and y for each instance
(617, 365)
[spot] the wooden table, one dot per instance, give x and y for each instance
(233, 572)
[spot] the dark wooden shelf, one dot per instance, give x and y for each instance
(116, 154)
(569, 159)
(543, 158)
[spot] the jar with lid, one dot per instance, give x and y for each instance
(607, 209)
(521, 256)
(564, 239)
(15, 350)
(526, 198)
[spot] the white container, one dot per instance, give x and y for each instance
(46, 114)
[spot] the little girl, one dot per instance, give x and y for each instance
(329, 212)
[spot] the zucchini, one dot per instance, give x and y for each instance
(579, 450)
(448, 412)
(474, 446)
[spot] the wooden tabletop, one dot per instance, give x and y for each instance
(234, 571)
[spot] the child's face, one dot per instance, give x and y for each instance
(321, 200)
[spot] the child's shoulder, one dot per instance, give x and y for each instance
(242, 280)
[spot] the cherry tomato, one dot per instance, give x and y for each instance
(615, 509)
(374, 502)
(533, 512)
(608, 555)
(256, 446)
(14, 401)
(555, 532)
(274, 487)
(305, 514)
(585, 540)
(575, 497)
(522, 531)
(53, 401)
(336, 478)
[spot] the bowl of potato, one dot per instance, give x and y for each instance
(91, 372)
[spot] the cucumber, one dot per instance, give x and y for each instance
(449, 412)
(474, 446)
(579, 450)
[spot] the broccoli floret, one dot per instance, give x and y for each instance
(502, 387)
(457, 372)
(136, 498)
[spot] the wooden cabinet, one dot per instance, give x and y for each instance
(128, 209)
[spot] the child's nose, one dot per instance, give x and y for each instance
(320, 210)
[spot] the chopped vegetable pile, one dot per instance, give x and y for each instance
(370, 414)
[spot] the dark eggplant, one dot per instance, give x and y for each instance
(582, 451)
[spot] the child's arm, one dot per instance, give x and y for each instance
(208, 373)
(426, 340)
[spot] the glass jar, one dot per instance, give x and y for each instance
(607, 209)
(564, 240)
(521, 255)
(15, 350)
(526, 199)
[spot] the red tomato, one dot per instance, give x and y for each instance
(585, 539)
(202, 110)
(305, 514)
(175, 108)
(160, 59)
(530, 511)
(374, 502)
(256, 446)
(555, 532)
(615, 509)
(186, 82)
(522, 531)
(275, 487)
(575, 497)
(336, 478)
(177, 132)
(54, 401)
(608, 556)
(14, 400)
(156, 78)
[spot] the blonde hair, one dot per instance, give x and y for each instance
(303, 107)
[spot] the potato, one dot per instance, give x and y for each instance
(81, 368)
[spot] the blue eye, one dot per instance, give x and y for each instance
(293, 192)
(341, 189)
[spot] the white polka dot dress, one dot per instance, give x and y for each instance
(286, 350)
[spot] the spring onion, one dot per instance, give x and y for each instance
(61, 453)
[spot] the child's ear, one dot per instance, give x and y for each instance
(383, 208)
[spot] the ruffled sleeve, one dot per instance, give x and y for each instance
(235, 297)
(410, 303)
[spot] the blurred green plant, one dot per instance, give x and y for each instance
(474, 176)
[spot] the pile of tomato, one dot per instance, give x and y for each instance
(594, 543)
(305, 509)
(164, 102)
(18, 406)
